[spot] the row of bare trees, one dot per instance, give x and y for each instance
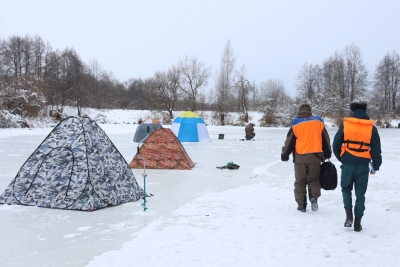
(60, 78)
(33, 74)
(181, 84)
(343, 78)
(333, 85)
(184, 84)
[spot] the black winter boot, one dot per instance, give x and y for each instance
(349, 217)
(313, 200)
(314, 204)
(357, 223)
(303, 207)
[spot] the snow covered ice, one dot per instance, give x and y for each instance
(206, 216)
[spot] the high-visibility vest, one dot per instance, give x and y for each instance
(357, 137)
(308, 134)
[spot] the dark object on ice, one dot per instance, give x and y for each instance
(230, 166)
(221, 136)
(328, 176)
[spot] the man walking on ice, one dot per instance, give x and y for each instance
(309, 143)
(356, 142)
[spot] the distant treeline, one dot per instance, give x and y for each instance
(33, 75)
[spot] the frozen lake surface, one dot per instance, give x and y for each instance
(205, 216)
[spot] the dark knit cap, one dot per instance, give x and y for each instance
(305, 107)
(304, 111)
(358, 105)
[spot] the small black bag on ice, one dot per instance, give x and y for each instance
(328, 176)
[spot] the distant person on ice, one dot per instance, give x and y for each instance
(309, 143)
(250, 131)
(355, 144)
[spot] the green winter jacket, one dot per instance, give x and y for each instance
(349, 159)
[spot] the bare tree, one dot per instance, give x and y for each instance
(110, 90)
(194, 76)
(201, 100)
(225, 81)
(335, 85)
(53, 78)
(243, 88)
(137, 93)
(306, 82)
(27, 55)
(387, 82)
(72, 69)
(356, 72)
(97, 93)
(165, 87)
(39, 50)
(311, 88)
(274, 100)
(254, 98)
(12, 56)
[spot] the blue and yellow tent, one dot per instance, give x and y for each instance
(190, 127)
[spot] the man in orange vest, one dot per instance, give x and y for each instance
(355, 144)
(309, 143)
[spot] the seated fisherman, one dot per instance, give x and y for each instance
(250, 131)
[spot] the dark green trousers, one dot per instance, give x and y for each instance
(357, 176)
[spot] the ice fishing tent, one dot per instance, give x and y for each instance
(162, 150)
(76, 167)
(141, 130)
(190, 127)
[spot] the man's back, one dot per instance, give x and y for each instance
(249, 128)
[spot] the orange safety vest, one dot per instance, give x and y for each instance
(357, 137)
(308, 136)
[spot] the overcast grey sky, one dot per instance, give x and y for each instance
(273, 39)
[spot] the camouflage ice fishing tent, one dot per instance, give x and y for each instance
(76, 167)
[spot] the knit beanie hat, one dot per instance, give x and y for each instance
(304, 111)
(358, 105)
